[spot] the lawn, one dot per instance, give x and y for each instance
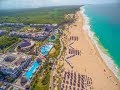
(6, 42)
(57, 47)
(41, 83)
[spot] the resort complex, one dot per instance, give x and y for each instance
(52, 48)
(13, 64)
(22, 59)
(27, 49)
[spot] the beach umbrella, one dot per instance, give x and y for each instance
(73, 88)
(62, 85)
(78, 84)
(63, 81)
(66, 82)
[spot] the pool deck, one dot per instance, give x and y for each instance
(45, 49)
(17, 83)
(30, 72)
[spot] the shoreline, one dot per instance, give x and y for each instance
(102, 51)
(89, 61)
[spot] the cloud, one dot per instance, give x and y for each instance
(83, 1)
(7, 4)
(56, 1)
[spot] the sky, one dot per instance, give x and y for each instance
(9, 4)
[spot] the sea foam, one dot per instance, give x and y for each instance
(103, 52)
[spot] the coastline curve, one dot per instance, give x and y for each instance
(95, 40)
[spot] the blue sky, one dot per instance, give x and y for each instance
(7, 4)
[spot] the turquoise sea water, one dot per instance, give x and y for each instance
(31, 70)
(105, 23)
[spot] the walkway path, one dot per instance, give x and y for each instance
(53, 67)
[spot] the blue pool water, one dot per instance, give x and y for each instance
(31, 70)
(45, 49)
(52, 38)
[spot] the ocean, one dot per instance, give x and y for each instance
(104, 26)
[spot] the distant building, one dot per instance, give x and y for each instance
(2, 32)
(13, 64)
(26, 44)
(12, 24)
(21, 24)
(9, 58)
(48, 28)
(40, 36)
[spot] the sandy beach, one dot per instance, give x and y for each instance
(82, 56)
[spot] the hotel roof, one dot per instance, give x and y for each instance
(25, 43)
(20, 57)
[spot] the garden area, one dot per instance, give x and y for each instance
(56, 48)
(6, 42)
(30, 29)
(42, 78)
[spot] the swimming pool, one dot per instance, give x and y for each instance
(31, 70)
(52, 38)
(45, 49)
(15, 88)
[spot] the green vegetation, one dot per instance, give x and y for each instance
(6, 28)
(6, 42)
(30, 29)
(42, 78)
(25, 28)
(53, 38)
(44, 15)
(39, 15)
(57, 47)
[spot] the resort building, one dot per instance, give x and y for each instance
(13, 64)
(56, 31)
(12, 24)
(2, 32)
(48, 28)
(40, 36)
(26, 45)
(31, 25)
